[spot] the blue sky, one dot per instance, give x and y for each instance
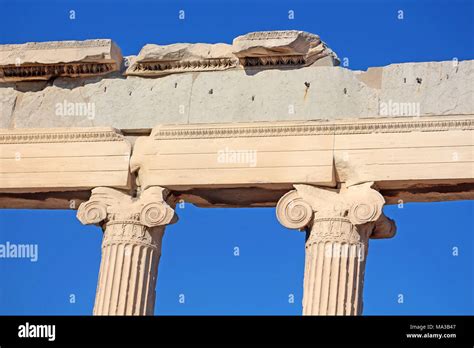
(198, 258)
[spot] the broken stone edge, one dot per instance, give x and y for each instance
(283, 49)
(35, 61)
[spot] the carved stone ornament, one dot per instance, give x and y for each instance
(107, 205)
(339, 223)
(44, 60)
(354, 206)
(156, 60)
(285, 48)
(293, 211)
(131, 247)
(262, 50)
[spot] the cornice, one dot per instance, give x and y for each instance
(320, 128)
(157, 67)
(46, 71)
(57, 45)
(60, 137)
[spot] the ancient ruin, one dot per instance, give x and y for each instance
(271, 120)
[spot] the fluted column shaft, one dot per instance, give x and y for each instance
(338, 223)
(128, 269)
(131, 247)
(334, 268)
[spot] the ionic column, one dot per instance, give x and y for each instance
(338, 225)
(131, 247)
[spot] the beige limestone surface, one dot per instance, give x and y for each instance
(156, 60)
(238, 155)
(131, 247)
(258, 50)
(39, 160)
(44, 60)
(249, 164)
(338, 223)
(396, 153)
(282, 48)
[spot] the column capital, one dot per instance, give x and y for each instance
(358, 204)
(339, 223)
(131, 248)
(154, 207)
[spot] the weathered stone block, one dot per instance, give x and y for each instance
(61, 159)
(156, 60)
(310, 93)
(44, 60)
(287, 48)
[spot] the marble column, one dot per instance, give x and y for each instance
(131, 248)
(338, 225)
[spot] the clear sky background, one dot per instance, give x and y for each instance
(198, 259)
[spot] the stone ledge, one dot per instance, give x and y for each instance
(63, 159)
(45, 60)
(289, 49)
(282, 48)
(156, 60)
(426, 159)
